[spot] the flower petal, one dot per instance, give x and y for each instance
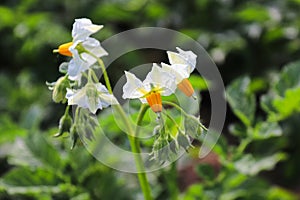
(161, 79)
(82, 28)
(76, 66)
(105, 97)
(180, 71)
(94, 46)
(133, 88)
(77, 97)
(183, 57)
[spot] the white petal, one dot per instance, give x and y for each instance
(82, 28)
(180, 71)
(161, 79)
(77, 97)
(94, 47)
(105, 97)
(133, 88)
(76, 66)
(183, 57)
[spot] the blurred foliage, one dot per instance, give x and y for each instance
(250, 41)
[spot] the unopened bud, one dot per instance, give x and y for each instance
(65, 124)
(60, 89)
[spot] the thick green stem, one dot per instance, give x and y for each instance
(135, 147)
(140, 117)
(171, 180)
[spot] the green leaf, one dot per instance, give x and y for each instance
(251, 165)
(276, 193)
(192, 127)
(289, 78)
(198, 82)
(253, 12)
(289, 104)
(241, 100)
(195, 191)
(25, 176)
(205, 171)
(238, 130)
(265, 130)
(44, 151)
(9, 129)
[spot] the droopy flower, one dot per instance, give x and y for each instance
(93, 96)
(158, 82)
(182, 65)
(82, 47)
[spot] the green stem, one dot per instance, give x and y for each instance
(135, 147)
(185, 113)
(171, 180)
(134, 143)
(172, 119)
(140, 117)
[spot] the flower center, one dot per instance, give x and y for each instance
(64, 49)
(154, 100)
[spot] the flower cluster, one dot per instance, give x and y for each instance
(85, 52)
(81, 87)
(162, 81)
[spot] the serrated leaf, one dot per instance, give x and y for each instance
(251, 165)
(265, 130)
(238, 130)
(289, 78)
(289, 104)
(241, 100)
(43, 151)
(24, 176)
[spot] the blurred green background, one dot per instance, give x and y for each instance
(255, 38)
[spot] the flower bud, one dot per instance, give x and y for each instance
(65, 124)
(60, 89)
(74, 136)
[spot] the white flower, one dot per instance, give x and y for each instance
(182, 65)
(82, 59)
(84, 49)
(180, 71)
(183, 57)
(93, 96)
(158, 82)
(83, 28)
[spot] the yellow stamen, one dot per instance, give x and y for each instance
(154, 100)
(186, 87)
(64, 49)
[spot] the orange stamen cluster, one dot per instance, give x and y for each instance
(64, 49)
(154, 100)
(186, 87)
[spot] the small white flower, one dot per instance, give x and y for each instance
(82, 29)
(93, 96)
(180, 71)
(182, 65)
(158, 82)
(81, 48)
(183, 57)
